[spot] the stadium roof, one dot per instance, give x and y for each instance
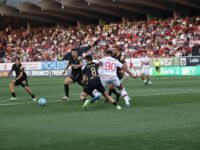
(55, 11)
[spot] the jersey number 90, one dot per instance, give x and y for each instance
(110, 66)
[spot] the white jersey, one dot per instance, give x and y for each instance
(108, 66)
(145, 60)
(145, 67)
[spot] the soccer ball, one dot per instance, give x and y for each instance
(42, 101)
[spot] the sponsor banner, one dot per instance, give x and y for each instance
(137, 71)
(49, 65)
(183, 62)
(44, 73)
(27, 66)
(190, 61)
(164, 61)
(4, 73)
(165, 71)
(32, 65)
(134, 62)
(177, 71)
(5, 66)
(53, 65)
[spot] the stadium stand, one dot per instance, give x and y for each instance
(169, 36)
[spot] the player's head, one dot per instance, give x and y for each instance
(74, 53)
(108, 53)
(115, 50)
(17, 61)
(88, 58)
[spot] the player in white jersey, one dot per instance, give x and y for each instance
(108, 73)
(145, 69)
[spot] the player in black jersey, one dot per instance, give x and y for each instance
(91, 76)
(76, 73)
(21, 79)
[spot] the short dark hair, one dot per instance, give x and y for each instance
(73, 50)
(17, 58)
(108, 52)
(88, 57)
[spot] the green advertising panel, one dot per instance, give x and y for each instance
(177, 71)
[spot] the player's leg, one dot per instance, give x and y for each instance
(158, 70)
(111, 99)
(149, 80)
(123, 92)
(28, 89)
(142, 76)
(88, 89)
(101, 89)
(67, 82)
(96, 96)
(83, 97)
(113, 90)
(147, 74)
(12, 90)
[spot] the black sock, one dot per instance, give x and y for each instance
(84, 99)
(115, 92)
(114, 103)
(32, 95)
(66, 90)
(13, 94)
(110, 92)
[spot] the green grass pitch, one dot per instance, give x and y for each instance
(165, 116)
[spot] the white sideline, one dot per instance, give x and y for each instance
(144, 95)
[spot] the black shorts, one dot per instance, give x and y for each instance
(93, 84)
(22, 82)
(77, 78)
(157, 68)
(120, 75)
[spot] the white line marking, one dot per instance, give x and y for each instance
(25, 103)
(172, 93)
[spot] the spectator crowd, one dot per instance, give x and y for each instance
(164, 38)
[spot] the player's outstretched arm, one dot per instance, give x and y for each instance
(20, 76)
(125, 68)
(68, 65)
(21, 73)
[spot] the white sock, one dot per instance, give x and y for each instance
(96, 93)
(124, 94)
(126, 99)
(150, 82)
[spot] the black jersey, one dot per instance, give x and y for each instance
(77, 61)
(18, 70)
(91, 70)
(121, 59)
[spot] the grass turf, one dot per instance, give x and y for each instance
(165, 116)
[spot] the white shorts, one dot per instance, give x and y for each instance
(145, 71)
(107, 80)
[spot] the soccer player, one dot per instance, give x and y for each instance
(76, 73)
(21, 79)
(116, 53)
(145, 67)
(157, 65)
(90, 74)
(108, 74)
